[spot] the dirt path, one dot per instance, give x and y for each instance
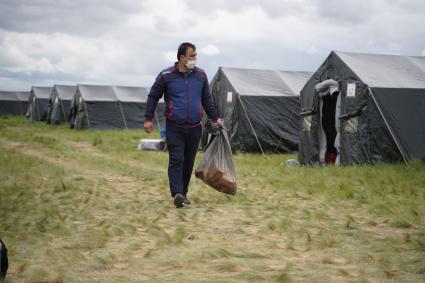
(128, 182)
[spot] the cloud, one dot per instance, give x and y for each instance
(83, 18)
(171, 56)
(210, 50)
(129, 42)
(348, 12)
(312, 50)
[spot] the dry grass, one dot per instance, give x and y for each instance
(86, 206)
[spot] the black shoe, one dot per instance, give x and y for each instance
(187, 201)
(179, 200)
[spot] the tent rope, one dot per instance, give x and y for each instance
(252, 128)
(122, 114)
(389, 129)
(63, 110)
(157, 121)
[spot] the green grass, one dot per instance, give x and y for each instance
(87, 206)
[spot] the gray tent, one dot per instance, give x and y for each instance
(364, 108)
(108, 107)
(38, 103)
(133, 103)
(260, 108)
(96, 107)
(13, 102)
(59, 105)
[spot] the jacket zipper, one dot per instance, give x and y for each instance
(187, 100)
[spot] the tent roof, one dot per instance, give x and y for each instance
(65, 92)
(131, 94)
(42, 91)
(97, 93)
(266, 82)
(23, 95)
(8, 95)
(390, 71)
(14, 95)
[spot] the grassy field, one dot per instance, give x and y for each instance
(87, 206)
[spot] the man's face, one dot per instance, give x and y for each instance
(190, 55)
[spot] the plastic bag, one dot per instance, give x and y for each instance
(216, 168)
(151, 144)
(4, 262)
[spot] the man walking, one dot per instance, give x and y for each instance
(186, 94)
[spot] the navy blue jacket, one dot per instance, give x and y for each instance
(186, 97)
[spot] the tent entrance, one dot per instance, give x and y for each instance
(329, 142)
(329, 137)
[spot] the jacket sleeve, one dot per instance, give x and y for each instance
(208, 103)
(155, 94)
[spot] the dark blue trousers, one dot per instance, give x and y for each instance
(182, 146)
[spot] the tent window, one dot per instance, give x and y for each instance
(351, 90)
(229, 96)
(351, 126)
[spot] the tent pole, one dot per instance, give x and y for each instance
(252, 128)
(389, 129)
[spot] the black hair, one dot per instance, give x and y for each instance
(183, 49)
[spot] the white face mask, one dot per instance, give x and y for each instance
(191, 64)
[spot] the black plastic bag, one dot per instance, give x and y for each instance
(4, 262)
(216, 168)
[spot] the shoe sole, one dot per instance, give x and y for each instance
(179, 201)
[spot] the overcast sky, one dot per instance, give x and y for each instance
(128, 42)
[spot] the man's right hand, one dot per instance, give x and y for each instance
(219, 122)
(148, 127)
